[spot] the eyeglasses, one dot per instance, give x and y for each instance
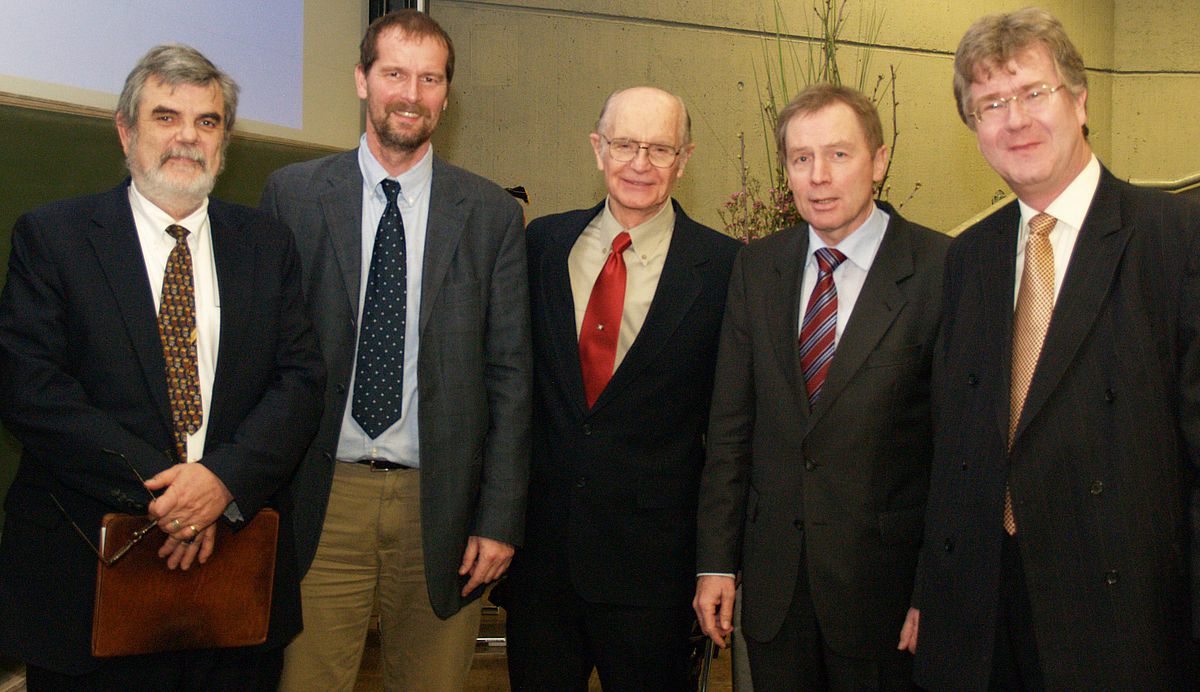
(623, 150)
(135, 537)
(1033, 100)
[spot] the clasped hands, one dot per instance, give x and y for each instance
(193, 499)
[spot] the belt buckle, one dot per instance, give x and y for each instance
(377, 466)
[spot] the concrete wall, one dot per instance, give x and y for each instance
(532, 76)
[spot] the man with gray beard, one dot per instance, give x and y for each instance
(150, 332)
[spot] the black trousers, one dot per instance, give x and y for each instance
(555, 639)
(798, 658)
(219, 670)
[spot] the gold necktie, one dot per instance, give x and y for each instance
(1035, 303)
(177, 329)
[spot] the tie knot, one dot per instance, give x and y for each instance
(177, 232)
(622, 242)
(1042, 224)
(391, 188)
(828, 259)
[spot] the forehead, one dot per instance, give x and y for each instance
(645, 117)
(1027, 66)
(836, 123)
(198, 98)
(398, 49)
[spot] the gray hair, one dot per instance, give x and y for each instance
(995, 39)
(685, 133)
(174, 64)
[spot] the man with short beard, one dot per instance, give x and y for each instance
(150, 332)
(412, 497)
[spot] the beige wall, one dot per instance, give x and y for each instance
(532, 76)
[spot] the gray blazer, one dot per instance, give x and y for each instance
(474, 368)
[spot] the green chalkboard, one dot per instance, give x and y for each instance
(46, 155)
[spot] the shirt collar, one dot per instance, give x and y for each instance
(861, 245)
(1071, 206)
(413, 182)
(648, 239)
(159, 219)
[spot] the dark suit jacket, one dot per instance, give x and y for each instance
(473, 370)
(1099, 468)
(846, 482)
(82, 383)
(612, 494)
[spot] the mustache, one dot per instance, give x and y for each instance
(190, 153)
(407, 107)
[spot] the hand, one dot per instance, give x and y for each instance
(908, 633)
(485, 560)
(181, 553)
(194, 496)
(713, 604)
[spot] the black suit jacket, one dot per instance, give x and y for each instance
(82, 384)
(1103, 461)
(473, 371)
(612, 493)
(846, 482)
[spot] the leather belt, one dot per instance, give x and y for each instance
(383, 465)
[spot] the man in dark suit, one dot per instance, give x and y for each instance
(1068, 428)
(93, 388)
(626, 300)
(413, 494)
(819, 442)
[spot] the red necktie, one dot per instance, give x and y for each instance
(602, 322)
(820, 324)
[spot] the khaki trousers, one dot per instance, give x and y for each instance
(370, 553)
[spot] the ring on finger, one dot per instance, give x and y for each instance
(173, 526)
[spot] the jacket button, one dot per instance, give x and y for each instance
(798, 523)
(341, 388)
(1110, 577)
(972, 379)
(949, 545)
(1109, 395)
(810, 465)
(1097, 487)
(964, 466)
(587, 429)
(581, 482)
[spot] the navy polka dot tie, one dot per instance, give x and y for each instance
(379, 373)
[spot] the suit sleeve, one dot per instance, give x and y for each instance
(508, 379)
(1189, 406)
(42, 401)
(725, 482)
(272, 438)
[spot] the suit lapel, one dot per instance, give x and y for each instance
(783, 313)
(119, 253)
(341, 209)
(678, 287)
(880, 301)
(560, 307)
(447, 219)
(1094, 261)
(994, 284)
(235, 283)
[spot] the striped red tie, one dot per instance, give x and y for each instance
(820, 324)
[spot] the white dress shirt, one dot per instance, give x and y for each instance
(151, 223)
(1070, 208)
(859, 248)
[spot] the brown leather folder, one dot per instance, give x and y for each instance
(143, 607)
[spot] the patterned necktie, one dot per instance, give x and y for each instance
(1035, 303)
(602, 322)
(177, 330)
(820, 324)
(379, 372)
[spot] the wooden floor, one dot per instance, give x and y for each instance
(489, 671)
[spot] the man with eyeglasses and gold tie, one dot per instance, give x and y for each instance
(150, 332)
(627, 298)
(1067, 403)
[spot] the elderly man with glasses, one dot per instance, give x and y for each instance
(627, 299)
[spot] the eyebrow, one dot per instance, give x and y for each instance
(164, 110)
